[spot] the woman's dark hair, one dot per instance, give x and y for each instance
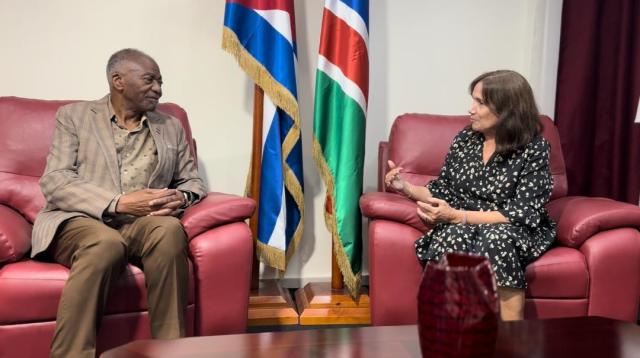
(510, 98)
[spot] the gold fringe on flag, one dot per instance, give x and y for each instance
(270, 255)
(278, 93)
(273, 257)
(291, 182)
(351, 280)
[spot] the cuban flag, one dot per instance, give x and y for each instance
(260, 34)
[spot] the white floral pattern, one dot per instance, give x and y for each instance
(517, 185)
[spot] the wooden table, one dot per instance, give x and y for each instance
(563, 337)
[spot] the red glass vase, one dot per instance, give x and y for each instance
(458, 307)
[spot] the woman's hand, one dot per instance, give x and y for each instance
(434, 211)
(392, 178)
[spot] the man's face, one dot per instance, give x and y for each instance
(141, 83)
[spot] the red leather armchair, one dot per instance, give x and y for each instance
(592, 270)
(220, 249)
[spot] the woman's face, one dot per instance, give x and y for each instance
(483, 120)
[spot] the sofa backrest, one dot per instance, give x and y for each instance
(420, 142)
(26, 135)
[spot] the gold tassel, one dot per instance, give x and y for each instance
(278, 93)
(351, 280)
(270, 255)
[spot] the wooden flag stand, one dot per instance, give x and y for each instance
(269, 303)
(321, 303)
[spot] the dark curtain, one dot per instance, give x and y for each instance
(597, 97)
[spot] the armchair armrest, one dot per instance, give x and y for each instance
(15, 235)
(578, 217)
(393, 207)
(214, 210)
(222, 259)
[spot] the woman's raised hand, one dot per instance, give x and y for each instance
(392, 178)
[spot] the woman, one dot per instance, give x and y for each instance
(490, 195)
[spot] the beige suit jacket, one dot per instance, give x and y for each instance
(82, 175)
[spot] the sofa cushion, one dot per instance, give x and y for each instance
(31, 291)
(420, 142)
(22, 193)
(560, 273)
(15, 235)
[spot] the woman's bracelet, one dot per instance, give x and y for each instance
(464, 217)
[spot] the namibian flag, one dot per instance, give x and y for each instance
(260, 34)
(342, 90)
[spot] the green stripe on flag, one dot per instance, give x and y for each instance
(339, 131)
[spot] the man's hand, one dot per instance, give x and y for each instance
(150, 202)
(434, 210)
(168, 205)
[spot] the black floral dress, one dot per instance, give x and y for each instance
(516, 184)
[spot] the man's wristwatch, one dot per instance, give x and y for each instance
(188, 198)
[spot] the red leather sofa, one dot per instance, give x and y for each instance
(592, 270)
(220, 247)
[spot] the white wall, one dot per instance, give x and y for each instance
(423, 55)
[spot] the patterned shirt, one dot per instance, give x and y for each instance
(517, 184)
(137, 158)
(137, 155)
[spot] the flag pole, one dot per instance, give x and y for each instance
(336, 276)
(256, 169)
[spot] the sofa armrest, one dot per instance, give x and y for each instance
(222, 259)
(15, 235)
(613, 259)
(578, 217)
(393, 207)
(215, 210)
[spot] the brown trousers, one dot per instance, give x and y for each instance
(96, 255)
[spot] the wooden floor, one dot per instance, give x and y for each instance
(296, 327)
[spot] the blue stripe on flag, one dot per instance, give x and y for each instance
(264, 43)
(293, 217)
(361, 7)
(271, 182)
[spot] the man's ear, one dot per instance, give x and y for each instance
(117, 81)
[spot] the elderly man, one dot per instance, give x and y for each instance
(118, 173)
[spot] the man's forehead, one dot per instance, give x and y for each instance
(141, 64)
